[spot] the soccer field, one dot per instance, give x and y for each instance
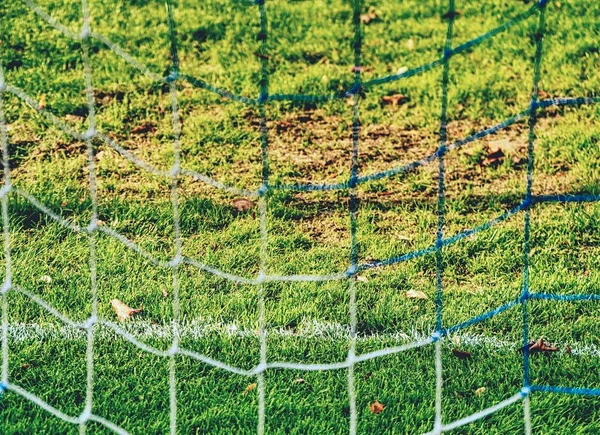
(259, 186)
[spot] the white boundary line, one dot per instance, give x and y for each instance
(314, 330)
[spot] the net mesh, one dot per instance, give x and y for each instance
(354, 266)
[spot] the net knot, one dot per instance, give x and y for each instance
(525, 391)
(263, 189)
(2, 86)
(261, 278)
(172, 77)
(173, 350)
(6, 286)
(85, 416)
(86, 32)
(3, 388)
(259, 2)
(351, 357)
(354, 90)
(534, 104)
(89, 323)
(93, 225)
(351, 271)
(89, 134)
(436, 336)
(259, 368)
(542, 3)
(175, 170)
(263, 97)
(176, 261)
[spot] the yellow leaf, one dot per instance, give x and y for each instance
(249, 388)
(416, 294)
(480, 391)
(123, 311)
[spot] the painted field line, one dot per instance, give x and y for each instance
(313, 330)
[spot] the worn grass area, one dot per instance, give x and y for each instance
(310, 51)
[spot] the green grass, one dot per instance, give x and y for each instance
(310, 51)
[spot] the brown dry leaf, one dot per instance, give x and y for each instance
(42, 103)
(416, 294)
(480, 391)
(543, 94)
(250, 388)
(361, 278)
(74, 118)
(164, 292)
(369, 16)
(242, 204)
(394, 100)
(540, 346)
(569, 350)
(367, 375)
(146, 127)
(376, 407)
(461, 354)
(494, 157)
(123, 311)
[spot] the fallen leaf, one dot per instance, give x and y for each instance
(100, 223)
(494, 157)
(369, 16)
(410, 44)
(461, 354)
(569, 350)
(164, 292)
(540, 346)
(74, 118)
(543, 94)
(249, 388)
(456, 340)
(25, 366)
(45, 278)
(394, 100)
(146, 127)
(242, 204)
(361, 278)
(480, 391)
(416, 294)
(376, 407)
(300, 381)
(123, 311)
(367, 375)
(42, 103)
